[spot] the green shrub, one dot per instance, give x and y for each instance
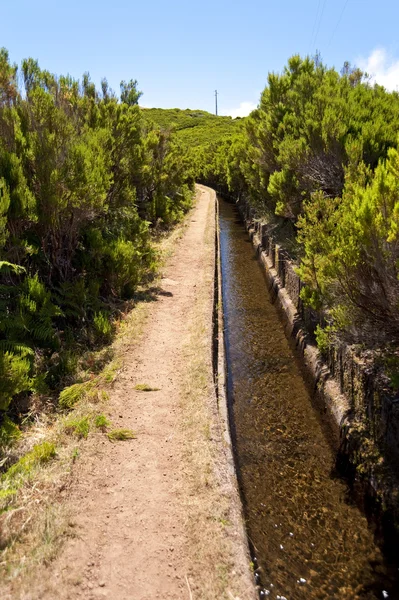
(71, 395)
(9, 432)
(83, 177)
(78, 427)
(40, 454)
(101, 422)
(14, 377)
(102, 326)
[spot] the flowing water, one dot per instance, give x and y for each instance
(309, 538)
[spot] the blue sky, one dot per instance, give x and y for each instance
(180, 52)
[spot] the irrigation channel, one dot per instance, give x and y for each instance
(308, 537)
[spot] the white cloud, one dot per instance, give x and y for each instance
(382, 67)
(242, 111)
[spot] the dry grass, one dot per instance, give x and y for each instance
(33, 517)
(32, 525)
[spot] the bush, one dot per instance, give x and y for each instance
(83, 177)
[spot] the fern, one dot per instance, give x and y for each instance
(102, 326)
(75, 299)
(9, 432)
(14, 377)
(7, 268)
(29, 318)
(16, 348)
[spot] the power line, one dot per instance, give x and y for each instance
(320, 20)
(314, 26)
(338, 23)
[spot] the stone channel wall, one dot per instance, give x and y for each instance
(363, 411)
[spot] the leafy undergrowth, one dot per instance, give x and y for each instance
(39, 455)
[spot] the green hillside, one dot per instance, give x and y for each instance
(192, 127)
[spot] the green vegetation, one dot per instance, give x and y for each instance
(85, 180)
(78, 427)
(192, 127)
(101, 422)
(121, 435)
(74, 393)
(203, 138)
(144, 387)
(23, 469)
(319, 159)
(9, 432)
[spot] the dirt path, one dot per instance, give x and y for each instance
(158, 517)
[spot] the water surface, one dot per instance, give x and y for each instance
(310, 539)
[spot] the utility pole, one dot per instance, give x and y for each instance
(216, 102)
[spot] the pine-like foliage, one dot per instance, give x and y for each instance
(319, 158)
(83, 179)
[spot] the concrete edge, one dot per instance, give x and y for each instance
(326, 388)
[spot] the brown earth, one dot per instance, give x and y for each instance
(159, 515)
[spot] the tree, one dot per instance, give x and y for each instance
(351, 254)
(74, 163)
(129, 92)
